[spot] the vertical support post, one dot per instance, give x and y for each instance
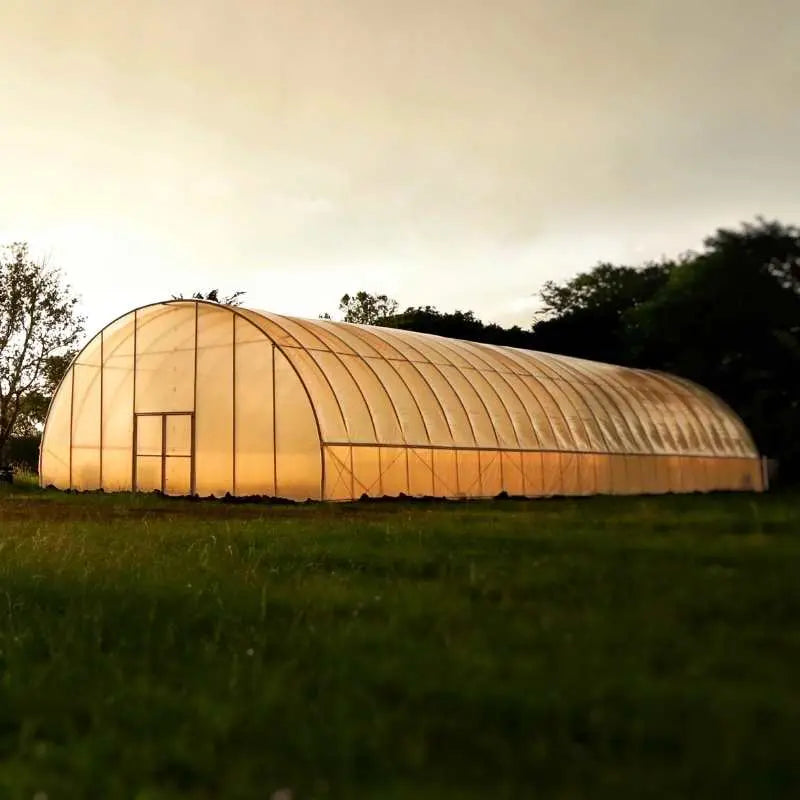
(233, 401)
(134, 445)
(134, 487)
(321, 470)
(274, 431)
(191, 458)
(163, 454)
(352, 477)
(193, 465)
(71, 421)
(102, 361)
(502, 472)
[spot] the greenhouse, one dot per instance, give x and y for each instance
(190, 397)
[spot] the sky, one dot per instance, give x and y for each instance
(451, 153)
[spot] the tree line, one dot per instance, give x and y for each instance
(726, 316)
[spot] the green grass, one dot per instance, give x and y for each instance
(605, 647)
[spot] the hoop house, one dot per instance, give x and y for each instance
(189, 397)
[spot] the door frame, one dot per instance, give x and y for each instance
(164, 456)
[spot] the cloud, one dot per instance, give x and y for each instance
(457, 153)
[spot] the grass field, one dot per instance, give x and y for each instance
(605, 647)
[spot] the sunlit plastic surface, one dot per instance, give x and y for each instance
(189, 397)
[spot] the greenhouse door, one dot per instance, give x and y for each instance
(163, 454)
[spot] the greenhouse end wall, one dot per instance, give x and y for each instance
(189, 397)
(182, 398)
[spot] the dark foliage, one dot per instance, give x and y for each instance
(587, 316)
(457, 325)
(23, 452)
(727, 317)
(379, 309)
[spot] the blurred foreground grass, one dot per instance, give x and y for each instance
(605, 647)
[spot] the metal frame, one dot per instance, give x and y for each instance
(537, 378)
(566, 451)
(472, 349)
(326, 379)
(692, 420)
(274, 431)
(583, 390)
(582, 382)
(439, 347)
(233, 402)
(715, 404)
(371, 370)
(100, 421)
(589, 388)
(164, 455)
(69, 373)
(341, 410)
(71, 419)
(357, 332)
(193, 469)
(133, 408)
(570, 398)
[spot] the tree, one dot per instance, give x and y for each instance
(458, 325)
(727, 317)
(730, 319)
(586, 316)
(213, 297)
(367, 309)
(380, 310)
(606, 287)
(39, 325)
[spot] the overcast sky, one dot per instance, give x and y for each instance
(457, 153)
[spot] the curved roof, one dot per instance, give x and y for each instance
(370, 384)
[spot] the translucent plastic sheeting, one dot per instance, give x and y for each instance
(117, 411)
(213, 405)
(194, 397)
(354, 471)
(255, 415)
